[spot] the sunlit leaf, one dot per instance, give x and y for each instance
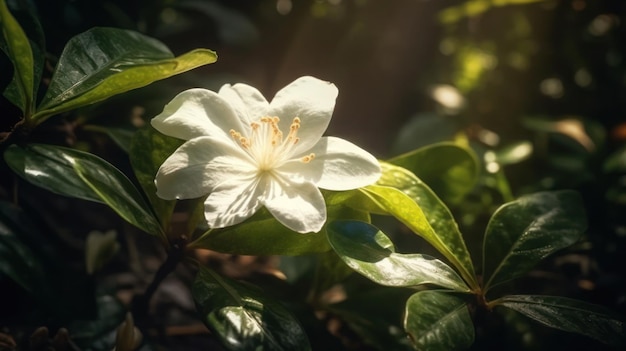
(370, 252)
(262, 234)
(471, 8)
(436, 320)
(82, 175)
(514, 153)
(403, 195)
(148, 150)
(523, 232)
(242, 318)
(103, 62)
(21, 89)
(450, 170)
(570, 315)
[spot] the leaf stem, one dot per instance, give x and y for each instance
(141, 303)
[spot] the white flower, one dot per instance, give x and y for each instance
(247, 153)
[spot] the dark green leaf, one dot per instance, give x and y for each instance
(262, 234)
(570, 315)
(21, 89)
(93, 334)
(148, 150)
(523, 232)
(82, 175)
(380, 323)
(242, 318)
(450, 170)
(368, 251)
(400, 193)
(104, 62)
(29, 255)
(17, 260)
(436, 320)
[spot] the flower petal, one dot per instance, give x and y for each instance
(338, 165)
(247, 102)
(199, 165)
(310, 99)
(197, 112)
(298, 206)
(233, 201)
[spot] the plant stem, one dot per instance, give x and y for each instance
(141, 303)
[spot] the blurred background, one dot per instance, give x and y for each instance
(536, 87)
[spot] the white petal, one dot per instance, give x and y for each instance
(338, 165)
(197, 112)
(246, 101)
(198, 166)
(298, 206)
(233, 201)
(310, 99)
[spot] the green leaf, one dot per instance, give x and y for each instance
(370, 252)
(450, 170)
(103, 62)
(18, 261)
(378, 324)
(21, 89)
(570, 315)
(242, 318)
(514, 153)
(148, 150)
(262, 234)
(82, 175)
(403, 195)
(436, 320)
(523, 232)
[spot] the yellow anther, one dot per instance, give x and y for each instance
(308, 158)
(254, 125)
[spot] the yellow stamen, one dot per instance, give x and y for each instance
(308, 158)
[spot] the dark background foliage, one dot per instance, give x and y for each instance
(548, 73)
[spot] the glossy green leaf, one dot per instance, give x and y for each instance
(379, 324)
(82, 175)
(262, 234)
(21, 89)
(48, 167)
(148, 150)
(570, 315)
(103, 62)
(450, 170)
(523, 232)
(17, 260)
(438, 321)
(242, 318)
(116, 190)
(403, 195)
(370, 252)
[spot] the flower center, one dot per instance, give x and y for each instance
(266, 144)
